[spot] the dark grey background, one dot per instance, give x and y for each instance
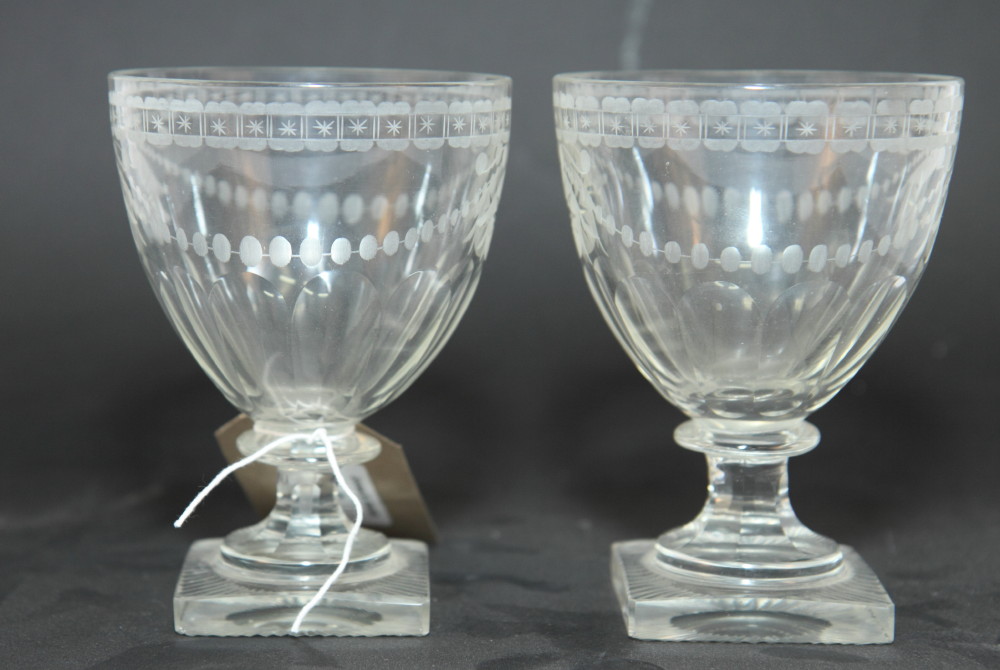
(535, 441)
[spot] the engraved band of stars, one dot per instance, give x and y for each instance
(746, 127)
(332, 127)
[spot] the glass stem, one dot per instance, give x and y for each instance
(305, 533)
(747, 528)
(307, 507)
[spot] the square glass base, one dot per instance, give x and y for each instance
(851, 607)
(394, 600)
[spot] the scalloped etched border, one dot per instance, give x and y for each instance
(799, 126)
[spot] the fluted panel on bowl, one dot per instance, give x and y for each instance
(338, 352)
(333, 324)
(184, 304)
(718, 336)
(250, 329)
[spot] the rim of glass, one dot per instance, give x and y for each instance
(306, 77)
(754, 79)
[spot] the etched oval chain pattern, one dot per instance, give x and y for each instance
(761, 258)
(279, 251)
(588, 217)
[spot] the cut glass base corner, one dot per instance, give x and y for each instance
(212, 599)
(658, 603)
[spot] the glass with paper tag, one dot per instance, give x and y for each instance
(314, 236)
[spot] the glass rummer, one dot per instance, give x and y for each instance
(750, 238)
(314, 235)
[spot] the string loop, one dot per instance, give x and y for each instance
(319, 435)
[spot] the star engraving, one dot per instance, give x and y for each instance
(157, 122)
(922, 125)
(649, 127)
(851, 127)
(585, 122)
(682, 128)
(890, 126)
(426, 124)
(807, 129)
(255, 127)
(219, 127)
(359, 126)
(764, 128)
(616, 126)
(184, 122)
(723, 128)
(324, 128)
(484, 123)
(288, 128)
(393, 127)
(458, 123)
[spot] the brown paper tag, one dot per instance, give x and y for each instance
(385, 485)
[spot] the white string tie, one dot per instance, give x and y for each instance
(321, 435)
(359, 514)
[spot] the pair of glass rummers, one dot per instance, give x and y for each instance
(314, 236)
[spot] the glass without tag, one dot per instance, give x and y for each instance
(750, 237)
